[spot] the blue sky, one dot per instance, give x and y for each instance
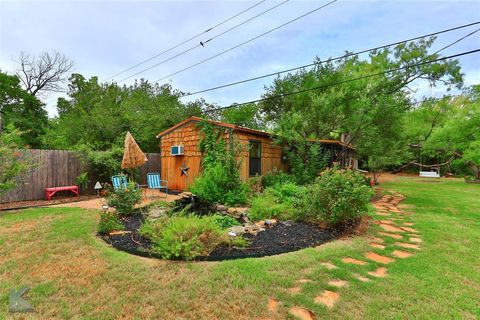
(106, 37)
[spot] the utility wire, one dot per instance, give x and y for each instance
(336, 58)
(203, 43)
(344, 81)
(189, 39)
(248, 41)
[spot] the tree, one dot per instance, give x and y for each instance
(369, 110)
(45, 73)
(460, 133)
(248, 116)
(99, 114)
(22, 110)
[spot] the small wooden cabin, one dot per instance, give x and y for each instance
(181, 156)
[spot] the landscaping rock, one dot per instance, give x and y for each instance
(156, 213)
(238, 230)
(270, 222)
(232, 211)
(221, 207)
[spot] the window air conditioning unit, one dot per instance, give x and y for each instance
(176, 150)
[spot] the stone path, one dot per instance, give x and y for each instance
(391, 224)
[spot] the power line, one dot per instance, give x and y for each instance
(203, 43)
(250, 40)
(345, 81)
(335, 58)
(189, 39)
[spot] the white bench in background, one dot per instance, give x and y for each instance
(429, 174)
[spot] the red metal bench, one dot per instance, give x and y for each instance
(49, 192)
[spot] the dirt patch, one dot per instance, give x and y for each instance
(43, 203)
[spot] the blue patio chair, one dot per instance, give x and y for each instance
(154, 182)
(119, 181)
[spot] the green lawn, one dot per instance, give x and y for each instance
(75, 275)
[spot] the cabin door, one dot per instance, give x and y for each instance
(255, 158)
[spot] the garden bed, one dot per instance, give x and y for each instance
(281, 238)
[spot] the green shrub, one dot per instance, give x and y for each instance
(337, 196)
(224, 221)
(287, 192)
(275, 177)
(124, 200)
(102, 164)
(216, 185)
(109, 221)
(184, 237)
(268, 206)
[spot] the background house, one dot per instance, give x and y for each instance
(181, 156)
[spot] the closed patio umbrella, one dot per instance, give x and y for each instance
(133, 156)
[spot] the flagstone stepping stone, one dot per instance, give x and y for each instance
(375, 239)
(362, 278)
(338, 283)
(304, 281)
(301, 313)
(378, 258)
(409, 229)
(379, 273)
(294, 290)
(327, 298)
(414, 239)
(402, 254)
(354, 261)
(387, 222)
(273, 305)
(328, 265)
(407, 245)
(377, 245)
(391, 235)
(390, 228)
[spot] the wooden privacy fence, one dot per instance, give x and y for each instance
(56, 168)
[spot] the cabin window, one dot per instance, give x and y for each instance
(255, 158)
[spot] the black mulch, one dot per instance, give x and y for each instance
(281, 238)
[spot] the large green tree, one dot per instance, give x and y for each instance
(99, 114)
(369, 111)
(22, 110)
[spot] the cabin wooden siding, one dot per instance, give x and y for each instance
(189, 136)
